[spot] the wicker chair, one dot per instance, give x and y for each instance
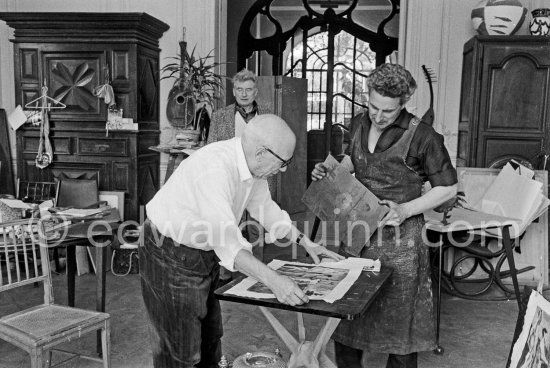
(24, 260)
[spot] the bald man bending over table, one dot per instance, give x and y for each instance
(192, 229)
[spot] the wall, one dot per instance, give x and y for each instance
(432, 32)
(198, 16)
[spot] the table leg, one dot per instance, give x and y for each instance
(305, 353)
(439, 349)
(100, 256)
(289, 340)
(170, 167)
(511, 263)
(71, 274)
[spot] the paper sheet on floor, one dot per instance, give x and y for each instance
(328, 281)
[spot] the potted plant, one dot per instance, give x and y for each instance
(196, 88)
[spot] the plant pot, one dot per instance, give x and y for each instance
(188, 137)
(540, 24)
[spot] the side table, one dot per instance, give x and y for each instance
(173, 154)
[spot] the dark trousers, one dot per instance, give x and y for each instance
(178, 284)
(348, 357)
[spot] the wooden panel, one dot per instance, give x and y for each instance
(467, 85)
(27, 95)
(148, 183)
(502, 148)
(71, 79)
(147, 89)
(517, 94)
(60, 145)
(463, 148)
(121, 70)
(287, 98)
(96, 146)
(6, 173)
(82, 170)
(29, 65)
(120, 176)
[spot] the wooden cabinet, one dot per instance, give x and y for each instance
(505, 101)
(72, 53)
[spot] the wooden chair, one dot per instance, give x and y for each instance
(25, 260)
(79, 193)
(36, 191)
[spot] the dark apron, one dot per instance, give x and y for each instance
(401, 319)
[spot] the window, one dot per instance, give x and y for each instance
(353, 61)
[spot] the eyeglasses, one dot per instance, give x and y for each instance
(285, 162)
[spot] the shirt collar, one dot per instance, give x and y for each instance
(247, 115)
(242, 166)
(402, 120)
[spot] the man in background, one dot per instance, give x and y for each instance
(230, 121)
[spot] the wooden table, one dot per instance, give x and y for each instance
(76, 234)
(352, 306)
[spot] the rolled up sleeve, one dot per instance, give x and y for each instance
(437, 163)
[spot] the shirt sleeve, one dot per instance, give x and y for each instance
(354, 124)
(262, 208)
(435, 160)
(221, 231)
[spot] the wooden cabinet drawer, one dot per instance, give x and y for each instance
(60, 145)
(96, 146)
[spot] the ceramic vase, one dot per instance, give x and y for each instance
(540, 24)
(498, 17)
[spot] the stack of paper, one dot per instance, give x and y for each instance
(81, 212)
(515, 194)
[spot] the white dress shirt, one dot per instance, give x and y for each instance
(201, 204)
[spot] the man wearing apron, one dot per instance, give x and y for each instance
(393, 153)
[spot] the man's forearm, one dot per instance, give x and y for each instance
(431, 199)
(246, 263)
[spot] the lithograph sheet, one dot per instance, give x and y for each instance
(532, 349)
(327, 281)
(341, 198)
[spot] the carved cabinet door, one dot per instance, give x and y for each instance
(505, 101)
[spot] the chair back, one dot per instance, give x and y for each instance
(79, 193)
(24, 256)
(37, 191)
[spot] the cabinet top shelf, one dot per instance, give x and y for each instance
(64, 27)
(511, 39)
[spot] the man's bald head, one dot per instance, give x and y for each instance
(271, 132)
